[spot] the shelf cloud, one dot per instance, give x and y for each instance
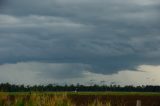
(102, 37)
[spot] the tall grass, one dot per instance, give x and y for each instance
(99, 103)
(78, 99)
(35, 99)
(47, 99)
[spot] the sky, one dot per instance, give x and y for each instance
(80, 41)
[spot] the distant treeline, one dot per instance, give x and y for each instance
(6, 87)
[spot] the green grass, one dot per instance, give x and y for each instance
(84, 93)
(117, 93)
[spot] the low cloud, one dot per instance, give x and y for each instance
(64, 73)
(107, 36)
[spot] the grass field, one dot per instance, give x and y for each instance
(78, 99)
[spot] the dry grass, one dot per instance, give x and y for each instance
(35, 99)
(75, 99)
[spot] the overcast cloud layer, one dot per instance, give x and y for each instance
(97, 36)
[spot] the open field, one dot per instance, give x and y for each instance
(78, 99)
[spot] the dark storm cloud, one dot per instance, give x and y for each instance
(2, 3)
(109, 36)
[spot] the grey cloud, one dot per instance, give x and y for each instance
(109, 36)
(2, 2)
(64, 70)
(39, 72)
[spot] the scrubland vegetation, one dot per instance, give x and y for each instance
(78, 99)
